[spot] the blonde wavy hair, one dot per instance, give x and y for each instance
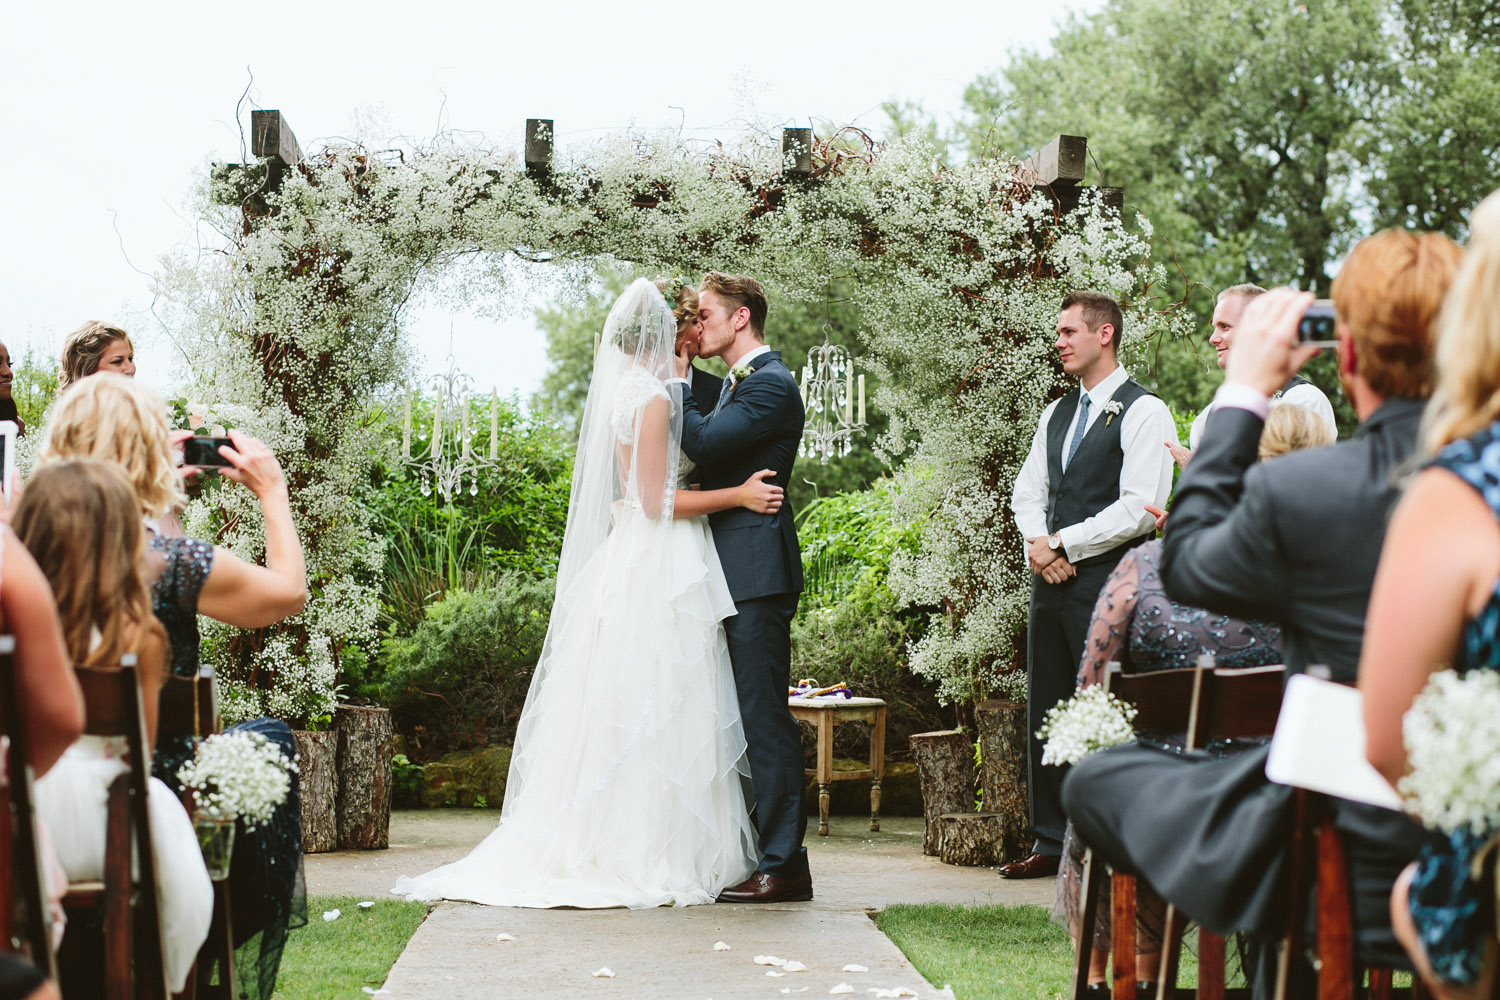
(683, 299)
(1292, 428)
(81, 522)
(111, 417)
(1467, 396)
(83, 349)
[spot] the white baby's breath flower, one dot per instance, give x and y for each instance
(238, 775)
(1452, 733)
(1090, 720)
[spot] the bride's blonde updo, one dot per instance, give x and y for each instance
(683, 299)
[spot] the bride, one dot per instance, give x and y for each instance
(627, 783)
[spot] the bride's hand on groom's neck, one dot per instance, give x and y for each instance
(684, 360)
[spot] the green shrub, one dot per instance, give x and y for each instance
(460, 678)
(844, 538)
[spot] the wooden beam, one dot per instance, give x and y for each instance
(538, 155)
(1067, 198)
(796, 151)
(1060, 162)
(271, 136)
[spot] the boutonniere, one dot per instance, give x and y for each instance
(1112, 409)
(739, 373)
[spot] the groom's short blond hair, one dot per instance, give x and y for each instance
(742, 290)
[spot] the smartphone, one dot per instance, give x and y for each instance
(204, 451)
(8, 432)
(1318, 325)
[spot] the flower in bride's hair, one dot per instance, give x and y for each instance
(1091, 720)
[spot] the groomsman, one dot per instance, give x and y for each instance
(1096, 461)
(1297, 391)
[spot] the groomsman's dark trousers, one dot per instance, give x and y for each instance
(760, 649)
(1055, 631)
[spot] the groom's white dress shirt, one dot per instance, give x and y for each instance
(1145, 476)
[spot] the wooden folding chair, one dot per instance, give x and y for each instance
(189, 707)
(133, 960)
(1206, 703)
(24, 922)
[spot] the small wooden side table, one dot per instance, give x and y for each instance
(826, 714)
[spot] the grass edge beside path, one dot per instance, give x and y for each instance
(334, 959)
(983, 952)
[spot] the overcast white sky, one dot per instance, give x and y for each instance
(113, 111)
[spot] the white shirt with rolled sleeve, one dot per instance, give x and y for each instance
(1306, 395)
(1145, 475)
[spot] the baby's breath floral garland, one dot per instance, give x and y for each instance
(1452, 734)
(237, 775)
(296, 319)
(1093, 719)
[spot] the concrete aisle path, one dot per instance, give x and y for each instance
(666, 953)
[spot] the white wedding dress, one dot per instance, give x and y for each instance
(627, 785)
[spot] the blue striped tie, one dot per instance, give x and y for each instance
(1078, 432)
(724, 391)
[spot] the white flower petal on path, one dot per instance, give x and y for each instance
(854, 968)
(794, 966)
(721, 946)
(603, 973)
(367, 904)
(841, 989)
(504, 937)
(773, 972)
(898, 991)
(769, 960)
(330, 915)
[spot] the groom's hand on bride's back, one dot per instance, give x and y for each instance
(761, 496)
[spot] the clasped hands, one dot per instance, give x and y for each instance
(1047, 562)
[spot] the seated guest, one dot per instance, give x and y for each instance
(1294, 541)
(1429, 613)
(1136, 624)
(95, 347)
(8, 408)
(116, 419)
(1297, 391)
(81, 522)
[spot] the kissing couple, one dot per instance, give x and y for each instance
(656, 761)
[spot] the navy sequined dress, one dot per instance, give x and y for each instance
(266, 890)
(1447, 905)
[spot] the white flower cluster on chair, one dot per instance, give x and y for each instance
(1452, 733)
(1092, 719)
(238, 775)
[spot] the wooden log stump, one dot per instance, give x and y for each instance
(317, 780)
(945, 764)
(969, 839)
(365, 737)
(1002, 773)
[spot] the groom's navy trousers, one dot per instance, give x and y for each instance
(759, 426)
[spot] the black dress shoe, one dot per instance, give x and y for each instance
(763, 888)
(1032, 866)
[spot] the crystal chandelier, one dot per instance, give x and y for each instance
(445, 455)
(828, 395)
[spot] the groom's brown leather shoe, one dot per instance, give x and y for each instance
(763, 888)
(1032, 866)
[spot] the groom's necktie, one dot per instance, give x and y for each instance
(1078, 432)
(724, 391)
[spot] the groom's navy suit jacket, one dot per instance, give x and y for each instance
(758, 427)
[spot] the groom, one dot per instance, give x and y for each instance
(756, 424)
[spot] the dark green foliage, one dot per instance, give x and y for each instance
(461, 677)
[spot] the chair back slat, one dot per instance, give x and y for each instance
(189, 706)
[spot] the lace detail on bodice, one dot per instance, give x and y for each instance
(636, 388)
(174, 596)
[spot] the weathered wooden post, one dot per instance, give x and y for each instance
(366, 740)
(538, 153)
(796, 152)
(1002, 772)
(945, 765)
(317, 763)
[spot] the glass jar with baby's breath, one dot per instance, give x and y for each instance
(216, 841)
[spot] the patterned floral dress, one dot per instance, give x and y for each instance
(1447, 905)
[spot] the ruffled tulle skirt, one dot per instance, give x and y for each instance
(628, 782)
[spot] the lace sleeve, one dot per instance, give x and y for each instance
(637, 388)
(1109, 625)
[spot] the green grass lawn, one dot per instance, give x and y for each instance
(983, 952)
(334, 959)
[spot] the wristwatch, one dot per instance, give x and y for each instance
(1054, 541)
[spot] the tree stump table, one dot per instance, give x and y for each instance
(827, 714)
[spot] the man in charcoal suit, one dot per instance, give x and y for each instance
(1294, 540)
(755, 423)
(1080, 500)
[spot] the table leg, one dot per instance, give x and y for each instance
(877, 766)
(822, 808)
(825, 768)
